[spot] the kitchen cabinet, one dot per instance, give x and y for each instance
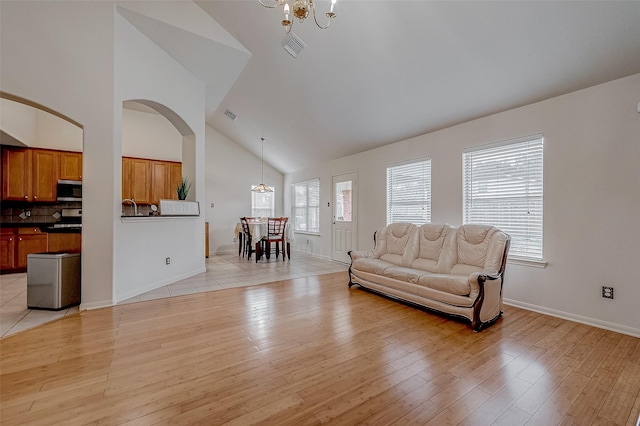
(70, 165)
(7, 250)
(159, 181)
(30, 240)
(45, 169)
(29, 174)
(147, 181)
(65, 241)
(16, 174)
(136, 180)
(175, 177)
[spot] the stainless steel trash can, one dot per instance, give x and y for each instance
(53, 280)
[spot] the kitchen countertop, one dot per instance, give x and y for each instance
(44, 227)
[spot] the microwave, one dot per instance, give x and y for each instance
(69, 190)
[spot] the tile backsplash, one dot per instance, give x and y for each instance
(33, 213)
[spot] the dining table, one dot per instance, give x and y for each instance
(258, 228)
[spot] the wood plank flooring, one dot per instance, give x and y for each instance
(310, 351)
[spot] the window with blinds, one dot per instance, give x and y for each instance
(263, 204)
(502, 186)
(306, 206)
(409, 192)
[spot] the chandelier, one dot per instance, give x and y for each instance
(301, 9)
(262, 187)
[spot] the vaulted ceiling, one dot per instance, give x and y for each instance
(385, 71)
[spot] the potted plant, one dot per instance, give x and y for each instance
(183, 188)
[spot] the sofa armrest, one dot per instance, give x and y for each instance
(356, 254)
(488, 298)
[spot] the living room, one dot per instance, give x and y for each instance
(97, 56)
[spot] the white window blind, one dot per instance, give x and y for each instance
(306, 206)
(503, 186)
(409, 192)
(263, 203)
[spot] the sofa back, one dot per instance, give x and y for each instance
(479, 248)
(434, 248)
(442, 249)
(395, 243)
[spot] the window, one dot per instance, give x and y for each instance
(306, 206)
(263, 204)
(502, 186)
(409, 193)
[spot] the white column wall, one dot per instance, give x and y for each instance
(144, 71)
(60, 55)
(591, 199)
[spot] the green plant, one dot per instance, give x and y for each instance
(183, 188)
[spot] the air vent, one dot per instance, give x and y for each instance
(294, 45)
(231, 115)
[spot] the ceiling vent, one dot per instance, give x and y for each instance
(231, 115)
(294, 45)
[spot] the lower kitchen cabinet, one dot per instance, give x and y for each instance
(30, 241)
(7, 251)
(17, 243)
(67, 242)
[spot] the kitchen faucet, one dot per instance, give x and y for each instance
(135, 206)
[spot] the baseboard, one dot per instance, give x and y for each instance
(96, 305)
(618, 328)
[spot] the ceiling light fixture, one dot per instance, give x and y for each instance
(301, 9)
(262, 187)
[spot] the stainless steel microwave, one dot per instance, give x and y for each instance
(69, 190)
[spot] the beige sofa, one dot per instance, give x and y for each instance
(455, 271)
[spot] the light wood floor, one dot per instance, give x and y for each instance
(310, 351)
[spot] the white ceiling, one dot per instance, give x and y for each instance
(386, 71)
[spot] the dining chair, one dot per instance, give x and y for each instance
(245, 239)
(275, 234)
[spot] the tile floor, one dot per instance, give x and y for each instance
(223, 271)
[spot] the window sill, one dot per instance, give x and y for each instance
(317, 234)
(528, 262)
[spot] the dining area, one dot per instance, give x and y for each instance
(264, 237)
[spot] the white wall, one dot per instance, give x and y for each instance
(591, 200)
(83, 60)
(19, 121)
(72, 73)
(148, 135)
(231, 170)
(144, 71)
(38, 129)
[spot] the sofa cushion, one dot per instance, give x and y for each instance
(479, 246)
(371, 265)
(447, 283)
(431, 239)
(396, 244)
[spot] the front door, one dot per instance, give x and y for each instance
(344, 216)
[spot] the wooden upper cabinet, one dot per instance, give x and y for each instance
(159, 179)
(175, 177)
(140, 181)
(126, 177)
(45, 166)
(16, 174)
(29, 174)
(149, 181)
(70, 165)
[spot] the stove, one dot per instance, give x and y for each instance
(69, 219)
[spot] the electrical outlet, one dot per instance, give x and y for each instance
(167, 261)
(607, 292)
